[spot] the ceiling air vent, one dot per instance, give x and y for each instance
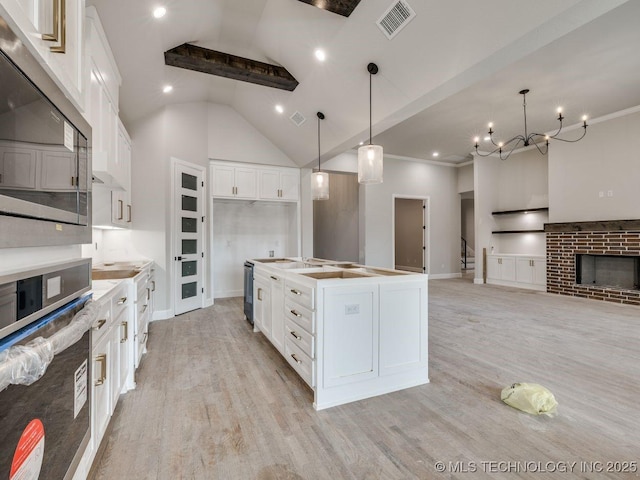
(297, 118)
(396, 18)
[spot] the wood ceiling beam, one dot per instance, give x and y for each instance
(341, 7)
(226, 65)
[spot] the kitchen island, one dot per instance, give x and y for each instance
(350, 331)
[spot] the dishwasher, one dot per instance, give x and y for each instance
(248, 291)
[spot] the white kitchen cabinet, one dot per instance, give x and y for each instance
(277, 311)
(262, 304)
(279, 184)
(102, 102)
(35, 18)
(234, 181)
(524, 271)
(351, 323)
(101, 377)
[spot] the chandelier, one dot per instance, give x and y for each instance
(528, 138)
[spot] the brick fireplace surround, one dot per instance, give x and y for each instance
(566, 240)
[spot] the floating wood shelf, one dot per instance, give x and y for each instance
(524, 210)
(518, 231)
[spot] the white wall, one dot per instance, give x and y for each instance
(607, 160)
(408, 178)
(465, 178)
(195, 133)
(516, 183)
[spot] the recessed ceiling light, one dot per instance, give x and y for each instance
(320, 54)
(435, 154)
(167, 89)
(159, 12)
(279, 109)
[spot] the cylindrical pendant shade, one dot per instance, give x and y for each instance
(370, 164)
(320, 186)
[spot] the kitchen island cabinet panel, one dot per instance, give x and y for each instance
(403, 337)
(350, 334)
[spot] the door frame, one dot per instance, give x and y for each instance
(426, 219)
(172, 234)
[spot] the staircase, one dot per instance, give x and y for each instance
(467, 256)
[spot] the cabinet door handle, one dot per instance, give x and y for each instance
(122, 301)
(259, 294)
(274, 278)
(295, 292)
(102, 360)
(73, 181)
(129, 213)
(144, 339)
(295, 313)
(126, 332)
(293, 355)
(294, 334)
(101, 323)
(153, 282)
(121, 209)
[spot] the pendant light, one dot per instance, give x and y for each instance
(370, 156)
(319, 179)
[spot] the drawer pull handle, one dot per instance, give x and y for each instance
(298, 337)
(144, 308)
(126, 332)
(122, 301)
(101, 323)
(144, 339)
(293, 355)
(259, 294)
(295, 292)
(102, 360)
(296, 313)
(274, 278)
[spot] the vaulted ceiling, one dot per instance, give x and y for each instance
(457, 65)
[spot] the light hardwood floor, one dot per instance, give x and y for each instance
(216, 401)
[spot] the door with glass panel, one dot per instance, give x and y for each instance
(189, 227)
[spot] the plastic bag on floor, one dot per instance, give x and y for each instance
(531, 398)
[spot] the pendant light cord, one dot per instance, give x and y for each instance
(318, 144)
(370, 110)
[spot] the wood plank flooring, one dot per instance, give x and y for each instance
(216, 401)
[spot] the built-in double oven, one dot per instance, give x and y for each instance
(45, 170)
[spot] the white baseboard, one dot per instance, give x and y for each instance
(478, 281)
(228, 294)
(162, 315)
(443, 276)
(528, 286)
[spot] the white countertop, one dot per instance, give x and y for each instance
(99, 288)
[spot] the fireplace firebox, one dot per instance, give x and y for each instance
(616, 271)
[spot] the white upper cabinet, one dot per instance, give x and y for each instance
(33, 19)
(17, 166)
(102, 106)
(59, 170)
(280, 184)
(231, 181)
(252, 182)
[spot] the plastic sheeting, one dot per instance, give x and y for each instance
(531, 398)
(26, 364)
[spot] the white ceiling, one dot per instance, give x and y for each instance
(458, 65)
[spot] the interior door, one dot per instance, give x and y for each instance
(189, 249)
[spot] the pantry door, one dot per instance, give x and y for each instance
(188, 245)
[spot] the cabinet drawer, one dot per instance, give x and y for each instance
(102, 323)
(120, 302)
(300, 362)
(300, 337)
(303, 317)
(300, 294)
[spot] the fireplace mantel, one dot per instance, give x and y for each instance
(597, 226)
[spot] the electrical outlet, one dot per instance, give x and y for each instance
(271, 253)
(352, 309)
(601, 194)
(609, 193)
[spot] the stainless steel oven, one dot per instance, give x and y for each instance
(45, 168)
